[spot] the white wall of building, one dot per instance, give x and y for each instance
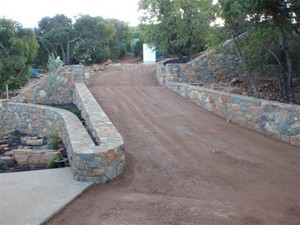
(149, 54)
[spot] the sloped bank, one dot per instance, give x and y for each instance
(274, 119)
(90, 161)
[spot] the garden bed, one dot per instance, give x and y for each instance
(23, 152)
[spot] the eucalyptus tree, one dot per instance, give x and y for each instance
(268, 19)
(95, 34)
(55, 35)
(176, 26)
(18, 49)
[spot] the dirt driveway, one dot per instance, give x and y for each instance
(184, 165)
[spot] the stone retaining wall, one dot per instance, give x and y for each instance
(90, 161)
(277, 120)
(280, 121)
(210, 66)
(55, 88)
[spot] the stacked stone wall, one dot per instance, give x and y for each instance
(91, 162)
(210, 66)
(278, 120)
(55, 88)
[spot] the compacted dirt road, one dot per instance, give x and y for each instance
(185, 166)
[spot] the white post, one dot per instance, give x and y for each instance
(7, 97)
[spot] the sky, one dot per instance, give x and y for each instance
(30, 12)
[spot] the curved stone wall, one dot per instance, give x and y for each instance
(91, 161)
(88, 162)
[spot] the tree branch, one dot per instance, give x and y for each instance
(75, 39)
(4, 49)
(273, 54)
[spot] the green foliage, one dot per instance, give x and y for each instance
(51, 162)
(71, 108)
(53, 141)
(176, 26)
(138, 49)
(88, 51)
(18, 49)
(89, 40)
(54, 34)
(261, 48)
(115, 50)
(53, 63)
(272, 35)
(216, 35)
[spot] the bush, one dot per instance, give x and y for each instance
(138, 49)
(18, 50)
(51, 162)
(53, 63)
(53, 141)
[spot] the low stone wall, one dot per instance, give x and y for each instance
(277, 120)
(88, 162)
(110, 151)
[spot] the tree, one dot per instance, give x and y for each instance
(96, 33)
(18, 49)
(176, 26)
(55, 34)
(279, 17)
(121, 38)
(283, 15)
(235, 15)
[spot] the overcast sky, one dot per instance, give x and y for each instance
(29, 12)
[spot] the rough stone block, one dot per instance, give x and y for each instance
(255, 111)
(34, 157)
(272, 128)
(295, 140)
(235, 107)
(110, 157)
(111, 172)
(282, 117)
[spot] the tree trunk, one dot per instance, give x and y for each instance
(242, 57)
(180, 57)
(286, 81)
(63, 54)
(68, 49)
(68, 54)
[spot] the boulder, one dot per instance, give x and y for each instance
(107, 62)
(28, 157)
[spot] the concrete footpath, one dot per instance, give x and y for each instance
(29, 198)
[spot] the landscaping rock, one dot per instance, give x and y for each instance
(27, 157)
(8, 153)
(33, 141)
(107, 62)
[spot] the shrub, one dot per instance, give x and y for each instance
(53, 141)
